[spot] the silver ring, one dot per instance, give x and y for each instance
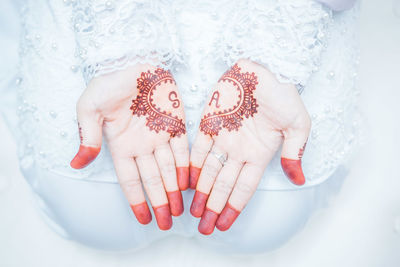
(222, 157)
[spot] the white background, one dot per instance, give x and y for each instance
(361, 227)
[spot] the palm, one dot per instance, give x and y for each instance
(248, 116)
(140, 113)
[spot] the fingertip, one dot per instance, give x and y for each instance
(194, 173)
(175, 202)
(198, 204)
(207, 222)
(227, 217)
(163, 217)
(183, 177)
(142, 213)
(84, 157)
(293, 170)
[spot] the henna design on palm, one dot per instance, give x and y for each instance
(157, 119)
(246, 106)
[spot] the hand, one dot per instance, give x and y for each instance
(246, 119)
(141, 114)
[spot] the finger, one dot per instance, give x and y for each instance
(200, 149)
(209, 172)
(129, 181)
(90, 132)
(166, 164)
(154, 187)
(293, 147)
(244, 188)
(180, 149)
(219, 195)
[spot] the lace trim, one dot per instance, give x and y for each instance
(113, 36)
(291, 37)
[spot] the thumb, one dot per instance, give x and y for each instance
(90, 132)
(294, 144)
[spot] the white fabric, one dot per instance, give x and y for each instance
(53, 73)
(97, 215)
(51, 68)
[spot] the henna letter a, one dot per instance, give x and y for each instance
(215, 96)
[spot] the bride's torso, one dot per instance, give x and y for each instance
(302, 43)
(205, 37)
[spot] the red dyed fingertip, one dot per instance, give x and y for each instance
(198, 204)
(163, 217)
(84, 157)
(207, 222)
(142, 212)
(175, 202)
(183, 177)
(194, 174)
(227, 217)
(293, 170)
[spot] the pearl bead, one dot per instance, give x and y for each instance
(194, 88)
(109, 5)
(41, 153)
(331, 74)
(18, 81)
(74, 68)
(63, 134)
(54, 46)
(190, 124)
(53, 114)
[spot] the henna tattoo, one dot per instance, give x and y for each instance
(157, 119)
(175, 101)
(215, 97)
(301, 150)
(246, 106)
(80, 132)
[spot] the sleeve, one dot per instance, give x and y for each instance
(285, 36)
(112, 35)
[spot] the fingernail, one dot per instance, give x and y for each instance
(142, 212)
(193, 176)
(207, 222)
(163, 217)
(292, 169)
(84, 157)
(175, 202)
(183, 177)
(198, 204)
(227, 217)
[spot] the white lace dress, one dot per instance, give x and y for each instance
(64, 44)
